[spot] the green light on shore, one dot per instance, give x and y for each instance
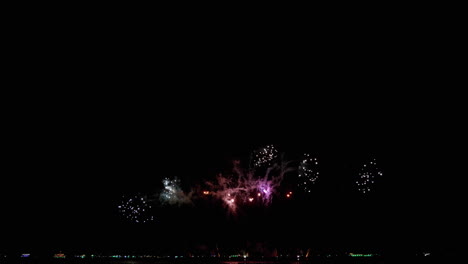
(361, 255)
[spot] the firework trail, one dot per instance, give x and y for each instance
(246, 186)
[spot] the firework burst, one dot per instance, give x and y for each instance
(307, 172)
(173, 194)
(136, 209)
(265, 156)
(367, 176)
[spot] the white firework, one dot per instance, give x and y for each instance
(264, 156)
(367, 176)
(173, 194)
(136, 209)
(308, 172)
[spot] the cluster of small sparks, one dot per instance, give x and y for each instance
(136, 209)
(307, 172)
(367, 175)
(265, 156)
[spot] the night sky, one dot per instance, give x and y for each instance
(132, 106)
(68, 164)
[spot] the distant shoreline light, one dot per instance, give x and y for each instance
(361, 255)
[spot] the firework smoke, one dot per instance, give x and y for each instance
(247, 186)
(172, 193)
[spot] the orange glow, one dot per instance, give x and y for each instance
(259, 194)
(250, 199)
(206, 192)
(288, 195)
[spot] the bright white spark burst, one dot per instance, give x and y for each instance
(172, 193)
(170, 189)
(367, 175)
(308, 172)
(136, 209)
(265, 156)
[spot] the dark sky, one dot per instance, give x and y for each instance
(131, 109)
(68, 165)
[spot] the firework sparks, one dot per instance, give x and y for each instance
(308, 173)
(173, 194)
(136, 209)
(243, 185)
(265, 156)
(367, 176)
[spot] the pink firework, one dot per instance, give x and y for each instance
(243, 185)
